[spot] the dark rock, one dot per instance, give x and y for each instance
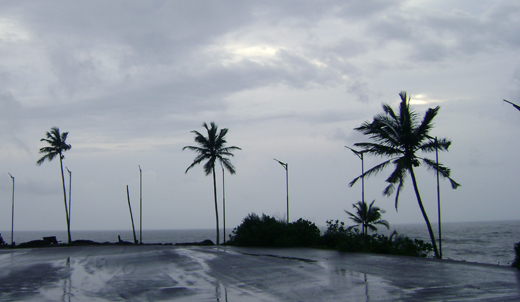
(34, 243)
(202, 243)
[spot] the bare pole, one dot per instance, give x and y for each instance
(140, 205)
(70, 191)
(286, 167)
(12, 213)
(131, 216)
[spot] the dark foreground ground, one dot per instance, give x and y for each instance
(172, 273)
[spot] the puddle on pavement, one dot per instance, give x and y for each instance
(83, 280)
(360, 286)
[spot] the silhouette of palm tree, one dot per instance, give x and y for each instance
(367, 216)
(400, 137)
(211, 149)
(57, 146)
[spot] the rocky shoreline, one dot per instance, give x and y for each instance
(51, 242)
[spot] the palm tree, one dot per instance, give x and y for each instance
(367, 216)
(212, 148)
(401, 136)
(56, 147)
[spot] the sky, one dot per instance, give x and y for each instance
(130, 80)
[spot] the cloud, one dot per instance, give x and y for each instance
(129, 80)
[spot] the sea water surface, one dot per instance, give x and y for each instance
(482, 242)
(490, 242)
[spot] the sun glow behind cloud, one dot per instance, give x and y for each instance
(12, 32)
(423, 99)
(233, 53)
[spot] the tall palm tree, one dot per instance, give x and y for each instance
(211, 149)
(367, 216)
(57, 146)
(400, 137)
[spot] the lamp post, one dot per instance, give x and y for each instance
(438, 197)
(286, 167)
(140, 205)
(12, 212)
(435, 141)
(70, 193)
(223, 201)
(360, 155)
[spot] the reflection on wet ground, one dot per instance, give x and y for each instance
(165, 273)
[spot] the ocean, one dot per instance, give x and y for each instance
(481, 242)
(490, 242)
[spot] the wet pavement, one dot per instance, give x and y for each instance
(169, 273)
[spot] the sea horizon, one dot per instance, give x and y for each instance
(321, 227)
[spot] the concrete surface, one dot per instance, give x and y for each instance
(169, 273)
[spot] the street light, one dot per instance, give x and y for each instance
(286, 167)
(70, 193)
(360, 155)
(438, 196)
(438, 193)
(140, 205)
(223, 201)
(12, 213)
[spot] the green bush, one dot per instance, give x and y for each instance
(350, 240)
(267, 231)
(517, 257)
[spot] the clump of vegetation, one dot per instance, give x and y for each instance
(266, 231)
(269, 232)
(517, 258)
(351, 240)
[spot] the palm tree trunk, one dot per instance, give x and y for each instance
(65, 199)
(423, 211)
(216, 207)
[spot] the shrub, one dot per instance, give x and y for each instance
(267, 231)
(350, 240)
(302, 233)
(517, 257)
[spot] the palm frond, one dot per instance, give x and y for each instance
(379, 149)
(399, 188)
(227, 164)
(433, 144)
(372, 171)
(444, 172)
(426, 125)
(354, 218)
(196, 161)
(383, 222)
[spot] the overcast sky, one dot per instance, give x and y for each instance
(290, 80)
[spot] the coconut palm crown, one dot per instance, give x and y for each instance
(211, 149)
(367, 216)
(57, 145)
(401, 137)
